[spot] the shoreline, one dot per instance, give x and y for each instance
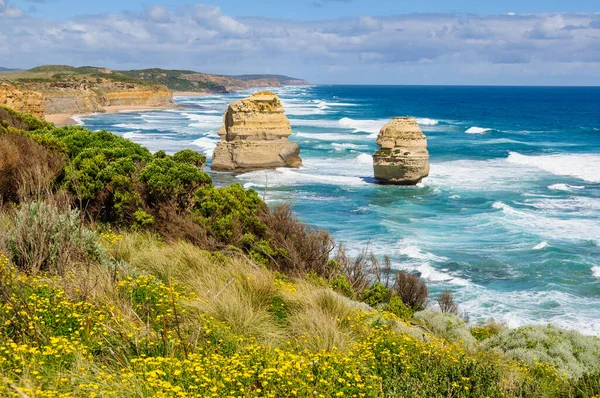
(68, 119)
(190, 94)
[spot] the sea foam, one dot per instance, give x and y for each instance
(583, 166)
(565, 187)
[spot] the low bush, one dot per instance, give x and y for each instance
(447, 326)
(571, 352)
(46, 237)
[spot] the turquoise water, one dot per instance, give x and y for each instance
(509, 218)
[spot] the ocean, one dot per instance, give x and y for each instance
(509, 218)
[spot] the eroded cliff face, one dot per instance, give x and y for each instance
(22, 100)
(403, 158)
(255, 136)
(78, 94)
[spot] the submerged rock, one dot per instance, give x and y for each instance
(403, 158)
(255, 135)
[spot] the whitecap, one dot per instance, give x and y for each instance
(410, 249)
(431, 274)
(78, 119)
(364, 158)
(289, 177)
(596, 271)
(332, 136)
(565, 187)
(550, 227)
(344, 146)
(477, 130)
(206, 144)
(583, 166)
(359, 125)
(423, 121)
(541, 245)
(133, 135)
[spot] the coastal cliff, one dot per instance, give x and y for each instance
(255, 135)
(25, 101)
(63, 89)
(403, 158)
(72, 93)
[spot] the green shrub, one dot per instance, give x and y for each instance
(484, 332)
(142, 219)
(170, 181)
(341, 285)
(376, 294)
(396, 306)
(571, 352)
(229, 212)
(191, 157)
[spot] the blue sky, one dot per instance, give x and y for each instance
(318, 9)
(537, 42)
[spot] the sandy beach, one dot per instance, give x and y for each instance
(188, 94)
(66, 119)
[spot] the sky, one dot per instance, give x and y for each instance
(509, 42)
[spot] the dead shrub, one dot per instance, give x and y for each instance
(26, 168)
(357, 269)
(306, 249)
(446, 302)
(411, 289)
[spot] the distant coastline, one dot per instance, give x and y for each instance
(69, 119)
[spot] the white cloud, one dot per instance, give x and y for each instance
(414, 48)
(8, 11)
(159, 14)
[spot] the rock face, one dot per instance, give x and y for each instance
(82, 94)
(403, 158)
(255, 135)
(22, 100)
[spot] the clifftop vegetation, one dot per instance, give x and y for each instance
(177, 80)
(129, 274)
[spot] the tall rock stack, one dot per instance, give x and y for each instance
(403, 158)
(255, 135)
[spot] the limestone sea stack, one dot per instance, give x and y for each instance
(403, 158)
(255, 135)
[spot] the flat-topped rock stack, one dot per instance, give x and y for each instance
(255, 135)
(403, 158)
